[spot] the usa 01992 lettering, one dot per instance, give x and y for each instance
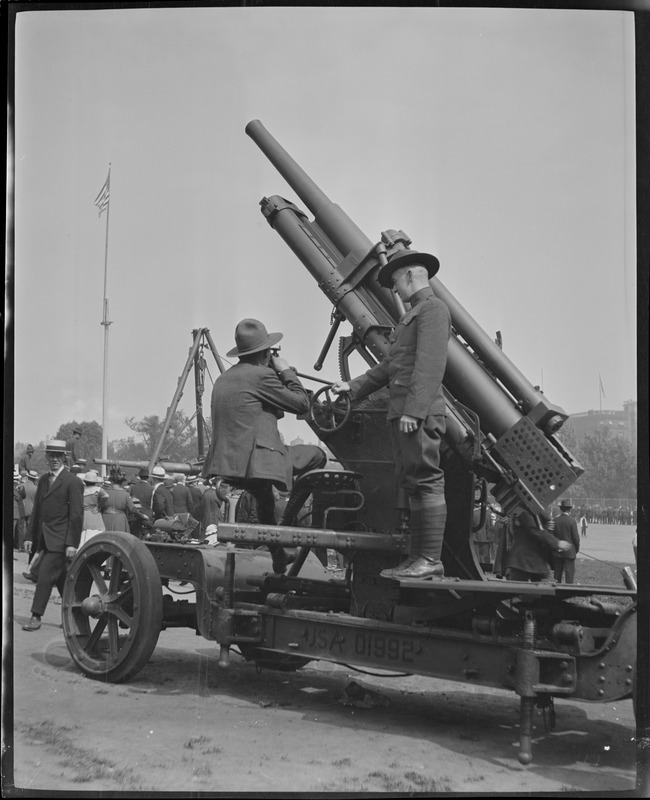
(370, 645)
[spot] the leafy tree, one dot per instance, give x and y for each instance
(610, 466)
(180, 443)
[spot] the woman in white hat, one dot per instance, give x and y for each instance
(95, 499)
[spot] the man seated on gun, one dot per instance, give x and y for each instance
(413, 369)
(247, 401)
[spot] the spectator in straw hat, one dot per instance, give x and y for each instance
(55, 527)
(247, 402)
(162, 504)
(95, 499)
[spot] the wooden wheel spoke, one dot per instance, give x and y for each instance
(93, 639)
(116, 575)
(113, 636)
(98, 578)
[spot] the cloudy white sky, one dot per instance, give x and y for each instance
(500, 140)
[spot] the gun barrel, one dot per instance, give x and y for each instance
(512, 413)
(185, 467)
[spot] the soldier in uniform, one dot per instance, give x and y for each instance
(413, 371)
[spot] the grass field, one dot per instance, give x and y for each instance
(590, 571)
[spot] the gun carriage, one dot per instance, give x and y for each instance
(540, 640)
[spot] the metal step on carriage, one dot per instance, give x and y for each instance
(540, 640)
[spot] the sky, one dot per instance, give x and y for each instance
(501, 140)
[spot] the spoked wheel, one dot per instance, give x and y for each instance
(112, 607)
(327, 414)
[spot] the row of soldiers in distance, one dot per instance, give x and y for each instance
(603, 515)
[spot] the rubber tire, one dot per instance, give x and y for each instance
(130, 619)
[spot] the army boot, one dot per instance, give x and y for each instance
(427, 547)
(415, 537)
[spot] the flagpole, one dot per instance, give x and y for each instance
(106, 323)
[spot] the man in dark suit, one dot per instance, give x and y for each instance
(71, 448)
(142, 489)
(162, 503)
(566, 530)
(413, 370)
(247, 402)
(54, 527)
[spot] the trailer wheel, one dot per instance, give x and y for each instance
(112, 607)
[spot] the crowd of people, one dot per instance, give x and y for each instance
(606, 515)
(58, 511)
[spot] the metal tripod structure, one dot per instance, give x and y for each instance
(196, 359)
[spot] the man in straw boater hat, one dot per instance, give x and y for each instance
(54, 527)
(247, 401)
(413, 370)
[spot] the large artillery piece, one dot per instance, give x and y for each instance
(541, 640)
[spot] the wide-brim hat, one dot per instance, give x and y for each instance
(566, 504)
(158, 473)
(405, 258)
(91, 477)
(55, 446)
(251, 336)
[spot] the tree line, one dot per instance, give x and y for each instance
(609, 461)
(180, 443)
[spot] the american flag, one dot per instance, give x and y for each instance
(101, 201)
(602, 390)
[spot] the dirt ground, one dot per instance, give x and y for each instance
(185, 725)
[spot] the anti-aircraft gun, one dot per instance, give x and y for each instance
(541, 640)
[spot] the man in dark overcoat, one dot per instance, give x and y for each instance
(54, 527)
(533, 547)
(247, 402)
(566, 530)
(413, 370)
(142, 489)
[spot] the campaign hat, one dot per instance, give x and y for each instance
(251, 336)
(55, 446)
(91, 477)
(406, 258)
(158, 473)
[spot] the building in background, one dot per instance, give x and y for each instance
(619, 423)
